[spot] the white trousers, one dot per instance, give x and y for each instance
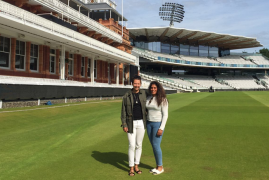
(135, 142)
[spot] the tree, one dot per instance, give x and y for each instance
(265, 52)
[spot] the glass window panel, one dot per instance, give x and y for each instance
(36, 51)
(213, 49)
(165, 48)
(82, 66)
(193, 53)
(194, 48)
(154, 46)
(4, 59)
(6, 45)
(184, 52)
(203, 47)
(70, 67)
(89, 68)
(19, 62)
(22, 48)
(33, 64)
(203, 54)
(184, 49)
(95, 69)
(52, 64)
(183, 46)
(32, 50)
(158, 44)
(1, 43)
(52, 51)
(17, 47)
(174, 49)
(213, 54)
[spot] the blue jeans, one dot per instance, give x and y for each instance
(152, 129)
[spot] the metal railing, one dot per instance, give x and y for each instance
(177, 61)
(64, 9)
(109, 2)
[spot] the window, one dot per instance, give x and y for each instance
(95, 69)
(60, 56)
(4, 51)
(165, 48)
(140, 45)
(52, 61)
(213, 51)
(115, 72)
(174, 49)
(82, 66)
(20, 55)
(184, 49)
(89, 68)
(34, 57)
(70, 64)
(156, 46)
(203, 51)
(193, 50)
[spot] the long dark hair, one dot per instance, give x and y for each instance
(160, 95)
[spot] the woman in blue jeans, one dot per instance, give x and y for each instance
(157, 106)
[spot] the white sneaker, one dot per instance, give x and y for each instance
(157, 172)
(152, 170)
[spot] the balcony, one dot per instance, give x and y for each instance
(116, 27)
(20, 20)
(109, 2)
(82, 19)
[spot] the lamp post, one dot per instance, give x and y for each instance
(172, 12)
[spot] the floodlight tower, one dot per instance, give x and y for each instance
(172, 12)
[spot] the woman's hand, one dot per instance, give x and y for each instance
(160, 132)
(125, 129)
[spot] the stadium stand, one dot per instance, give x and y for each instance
(233, 60)
(198, 59)
(206, 81)
(264, 80)
(167, 83)
(241, 82)
(258, 59)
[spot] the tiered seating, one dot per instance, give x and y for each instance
(186, 83)
(206, 81)
(233, 60)
(241, 82)
(167, 83)
(198, 59)
(50, 82)
(144, 53)
(264, 79)
(259, 60)
(163, 78)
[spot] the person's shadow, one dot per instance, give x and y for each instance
(117, 159)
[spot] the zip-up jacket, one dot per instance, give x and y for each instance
(127, 109)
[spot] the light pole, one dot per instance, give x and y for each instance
(172, 12)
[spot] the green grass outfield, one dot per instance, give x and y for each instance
(209, 136)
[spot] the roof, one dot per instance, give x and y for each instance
(193, 37)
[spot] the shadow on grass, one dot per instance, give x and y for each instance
(117, 159)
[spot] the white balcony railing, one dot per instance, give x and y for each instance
(9, 11)
(67, 11)
(109, 2)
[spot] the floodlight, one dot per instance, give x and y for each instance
(172, 12)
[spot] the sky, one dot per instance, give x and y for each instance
(248, 18)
